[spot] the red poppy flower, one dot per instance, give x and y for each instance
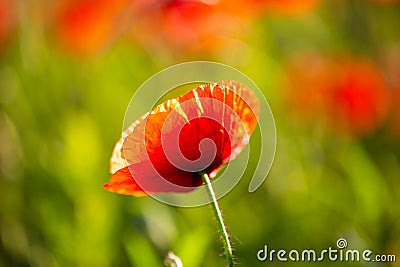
(360, 97)
(165, 149)
(350, 95)
(190, 25)
(7, 20)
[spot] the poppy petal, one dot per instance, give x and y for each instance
(141, 180)
(122, 182)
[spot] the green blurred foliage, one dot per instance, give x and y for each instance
(61, 114)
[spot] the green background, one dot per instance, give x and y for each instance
(61, 114)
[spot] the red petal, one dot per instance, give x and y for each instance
(122, 182)
(141, 180)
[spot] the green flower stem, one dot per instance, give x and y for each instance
(220, 221)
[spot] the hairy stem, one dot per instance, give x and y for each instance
(220, 222)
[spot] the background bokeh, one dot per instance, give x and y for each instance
(329, 69)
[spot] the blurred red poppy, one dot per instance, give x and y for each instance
(7, 20)
(360, 98)
(202, 130)
(190, 26)
(350, 95)
(86, 27)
